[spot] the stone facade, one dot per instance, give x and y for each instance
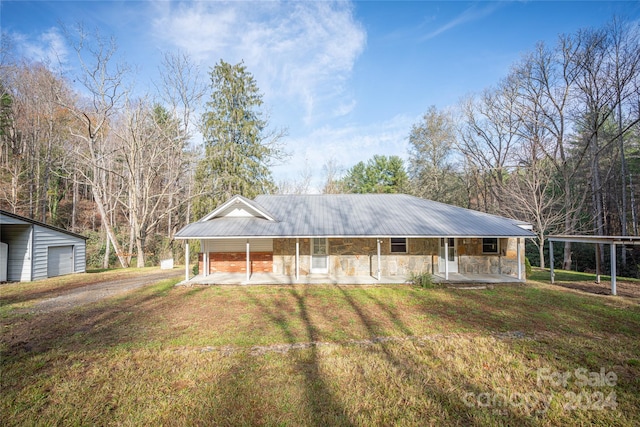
(471, 260)
(358, 257)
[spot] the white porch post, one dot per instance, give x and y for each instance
(378, 273)
(297, 258)
(613, 269)
(551, 261)
(205, 257)
(446, 258)
(186, 260)
(248, 262)
(518, 256)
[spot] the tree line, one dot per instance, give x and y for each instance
(555, 143)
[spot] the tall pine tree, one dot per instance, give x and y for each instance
(238, 150)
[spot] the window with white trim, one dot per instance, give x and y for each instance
(399, 245)
(490, 245)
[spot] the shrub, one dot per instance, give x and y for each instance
(527, 267)
(423, 280)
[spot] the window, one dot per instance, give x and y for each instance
(398, 245)
(490, 246)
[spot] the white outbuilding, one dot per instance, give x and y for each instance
(32, 250)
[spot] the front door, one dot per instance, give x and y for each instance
(451, 256)
(319, 256)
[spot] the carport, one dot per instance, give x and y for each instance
(612, 241)
(32, 250)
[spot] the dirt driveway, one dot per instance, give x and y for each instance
(68, 299)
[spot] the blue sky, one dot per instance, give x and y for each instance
(347, 79)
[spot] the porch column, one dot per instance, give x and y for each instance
(248, 262)
(205, 259)
(613, 269)
(446, 258)
(186, 260)
(518, 256)
(379, 269)
(297, 258)
(551, 261)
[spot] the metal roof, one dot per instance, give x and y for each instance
(41, 224)
(356, 215)
(616, 240)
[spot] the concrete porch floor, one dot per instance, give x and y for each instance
(324, 279)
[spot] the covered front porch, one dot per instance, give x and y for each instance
(329, 279)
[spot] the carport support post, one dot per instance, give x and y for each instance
(518, 256)
(248, 262)
(551, 260)
(597, 263)
(378, 248)
(186, 260)
(613, 269)
(297, 258)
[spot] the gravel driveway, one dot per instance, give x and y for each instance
(97, 291)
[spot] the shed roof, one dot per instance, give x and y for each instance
(41, 224)
(355, 215)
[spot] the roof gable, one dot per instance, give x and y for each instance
(239, 207)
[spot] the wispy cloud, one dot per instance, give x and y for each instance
(301, 52)
(48, 47)
(473, 13)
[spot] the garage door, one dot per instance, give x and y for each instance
(59, 261)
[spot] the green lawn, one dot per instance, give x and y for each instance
(325, 355)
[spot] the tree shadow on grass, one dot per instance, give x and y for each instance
(323, 407)
(118, 320)
(408, 365)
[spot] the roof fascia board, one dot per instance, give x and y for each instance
(330, 236)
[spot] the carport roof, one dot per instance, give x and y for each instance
(353, 215)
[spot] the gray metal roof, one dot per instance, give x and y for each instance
(41, 224)
(356, 215)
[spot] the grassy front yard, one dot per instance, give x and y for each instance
(325, 355)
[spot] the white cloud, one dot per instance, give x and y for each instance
(346, 145)
(470, 14)
(299, 52)
(48, 47)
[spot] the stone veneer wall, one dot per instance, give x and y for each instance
(473, 261)
(358, 257)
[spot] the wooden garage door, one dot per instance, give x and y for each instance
(59, 260)
(236, 262)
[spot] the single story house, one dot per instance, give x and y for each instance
(32, 250)
(371, 235)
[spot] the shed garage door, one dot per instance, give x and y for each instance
(59, 260)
